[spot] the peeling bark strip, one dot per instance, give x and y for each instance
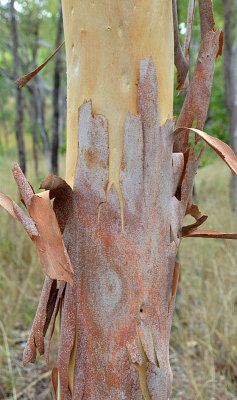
(21, 82)
(36, 338)
(42, 227)
(197, 99)
(116, 317)
(199, 90)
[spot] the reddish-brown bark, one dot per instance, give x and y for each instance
(197, 99)
(117, 314)
(22, 81)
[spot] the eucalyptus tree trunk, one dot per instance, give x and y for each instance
(105, 43)
(112, 236)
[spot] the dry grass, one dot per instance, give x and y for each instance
(203, 343)
(204, 331)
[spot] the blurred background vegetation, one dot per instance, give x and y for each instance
(203, 341)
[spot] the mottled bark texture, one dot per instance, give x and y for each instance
(119, 264)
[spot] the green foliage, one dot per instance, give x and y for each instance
(37, 28)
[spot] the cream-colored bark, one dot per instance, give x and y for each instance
(105, 42)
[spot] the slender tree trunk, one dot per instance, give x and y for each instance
(19, 94)
(56, 98)
(35, 139)
(34, 114)
(234, 111)
(230, 74)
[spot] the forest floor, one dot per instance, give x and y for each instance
(203, 349)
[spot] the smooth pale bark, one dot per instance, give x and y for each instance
(105, 42)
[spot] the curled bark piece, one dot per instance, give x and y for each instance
(186, 230)
(60, 294)
(16, 212)
(180, 202)
(56, 186)
(179, 58)
(8, 204)
(198, 94)
(49, 244)
(206, 233)
(26, 221)
(20, 82)
(207, 21)
(194, 211)
(61, 192)
(37, 333)
(44, 229)
(221, 148)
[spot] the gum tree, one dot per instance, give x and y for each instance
(108, 246)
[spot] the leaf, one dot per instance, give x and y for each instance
(21, 82)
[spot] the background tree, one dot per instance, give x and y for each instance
(230, 68)
(19, 99)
